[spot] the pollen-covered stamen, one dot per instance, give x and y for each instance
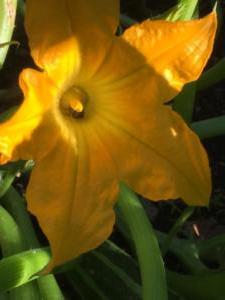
(73, 102)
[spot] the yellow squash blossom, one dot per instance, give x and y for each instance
(94, 115)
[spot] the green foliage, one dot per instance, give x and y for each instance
(94, 274)
(210, 128)
(212, 76)
(151, 266)
(7, 24)
(21, 268)
(184, 102)
(47, 285)
(110, 272)
(183, 10)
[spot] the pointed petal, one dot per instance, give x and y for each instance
(67, 36)
(154, 151)
(177, 51)
(72, 192)
(25, 134)
(143, 136)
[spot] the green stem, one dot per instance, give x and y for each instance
(212, 76)
(15, 204)
(209, 128)
(175, 229)
(49, 288)
(147, 248)
(9, 177)
(186, 251)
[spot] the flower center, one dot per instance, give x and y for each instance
(73, 102)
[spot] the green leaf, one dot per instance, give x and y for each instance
(106, 273)
(94, 274)
(21, 268)
(15, 204)
(183, 10)
(175, 229)
(185, 250)
(83, 283)
(212, 76)
(209, 128)
(99, 268)
(184, 101)
(11, 172)
(11, 239)
(204, 286)
(213, 249)
(147, 248)
(7, 24)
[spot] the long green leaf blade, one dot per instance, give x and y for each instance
(183, 10)
(21, 268)
(7, 23)
(147, 248)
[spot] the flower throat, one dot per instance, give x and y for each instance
(73, 102)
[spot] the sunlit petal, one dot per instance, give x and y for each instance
(71, 200)
(26, 134)
(62, 41)
(155, 153)
(177, 51)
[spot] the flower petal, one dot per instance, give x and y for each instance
(26, 134)
(154, 151)
(177, 51)
(72, 192)
(67, 36)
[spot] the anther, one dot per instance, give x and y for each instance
(73, 102)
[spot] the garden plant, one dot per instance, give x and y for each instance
(112, 150)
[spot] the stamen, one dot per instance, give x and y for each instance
(73, 102)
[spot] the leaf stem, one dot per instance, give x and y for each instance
(10, 175)
(209, 128)
(15, 204)
(175, 229)
(147, 248)
(212, 76)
